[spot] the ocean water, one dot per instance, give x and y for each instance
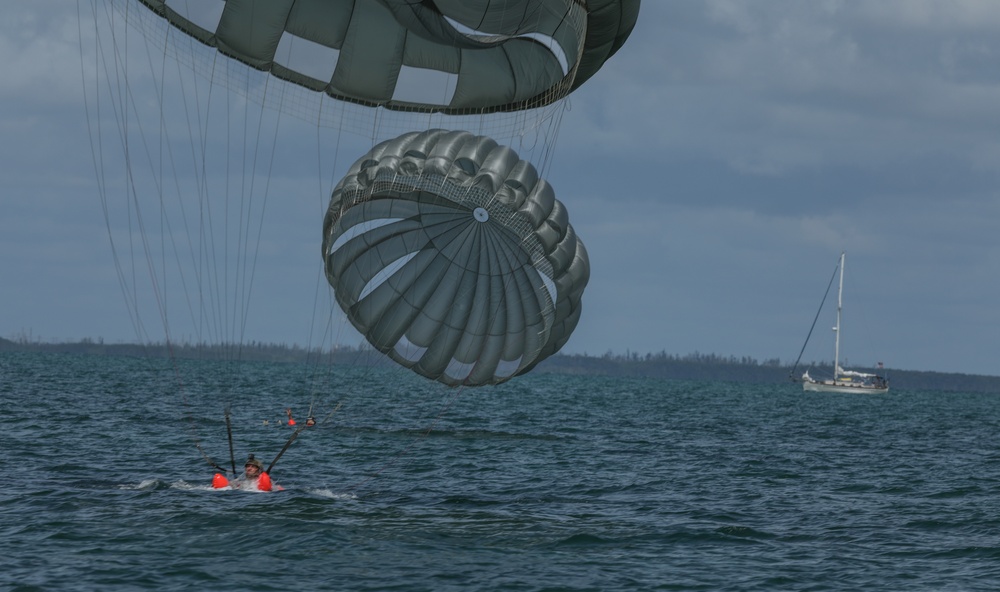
(547, 483)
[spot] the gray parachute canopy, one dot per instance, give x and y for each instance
(452, 56)
(449, 254)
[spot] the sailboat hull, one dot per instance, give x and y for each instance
(829, 387)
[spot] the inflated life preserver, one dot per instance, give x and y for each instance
(264, 483)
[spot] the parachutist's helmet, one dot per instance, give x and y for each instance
(253, 462)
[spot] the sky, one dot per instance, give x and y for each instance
(715, 169)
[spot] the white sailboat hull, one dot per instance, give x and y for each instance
(841, 387)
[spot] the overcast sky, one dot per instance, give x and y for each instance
(715, 168)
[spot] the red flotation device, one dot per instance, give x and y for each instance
(219, 481)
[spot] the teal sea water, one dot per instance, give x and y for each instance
(547, 483)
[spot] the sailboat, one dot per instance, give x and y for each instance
(843, 381)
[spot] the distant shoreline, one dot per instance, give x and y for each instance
(694, 366)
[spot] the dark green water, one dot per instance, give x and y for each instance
(548, 483)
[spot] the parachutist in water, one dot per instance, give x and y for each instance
(253, 477)
(253, 471)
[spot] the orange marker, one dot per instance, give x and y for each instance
(264, 482)
(219, 481)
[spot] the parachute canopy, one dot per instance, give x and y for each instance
(450, 56)
(449, 254)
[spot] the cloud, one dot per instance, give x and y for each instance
(770, 88)
(40, 41)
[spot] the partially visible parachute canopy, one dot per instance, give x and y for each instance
(448, 56)
(609, 23)
(449, 254)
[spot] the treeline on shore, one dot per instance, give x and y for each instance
(698, 366)
(693, 366)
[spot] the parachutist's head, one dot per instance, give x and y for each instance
(253, 466)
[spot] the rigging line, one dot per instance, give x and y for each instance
(126, 100)
(295, 435)
(207, 268)
(97, 150)
(97, 154)
(319, 193)
(791, 373)
(248, 292)
(166, 229)
(247, 183)
(229, 434)
(326, 336)
(120, 118)
(552, 135)
(97, 143)
(324, 195)
(203, 257)
(199, 174)
(194, 141)
(167, 232)
(315, 374)
(158, 178)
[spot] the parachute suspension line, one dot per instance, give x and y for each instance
(218, 274)
(229, 435)
(113, 62)
(197, 140)
(126, 99)
(165, 150)
(166, 231)
(323, 194)
(198, 137)
(248, 182)
(97, 151)
(791, 374)
(377, 121)
(97, 143)
(250, 273)
(159, 177)
(121, 91)
(198, 150)
(296, 433)
(552, 135)
(212, 295)
(230, 293)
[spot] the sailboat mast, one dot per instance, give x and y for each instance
(840, 305)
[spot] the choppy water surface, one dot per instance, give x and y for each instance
(547, 483)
